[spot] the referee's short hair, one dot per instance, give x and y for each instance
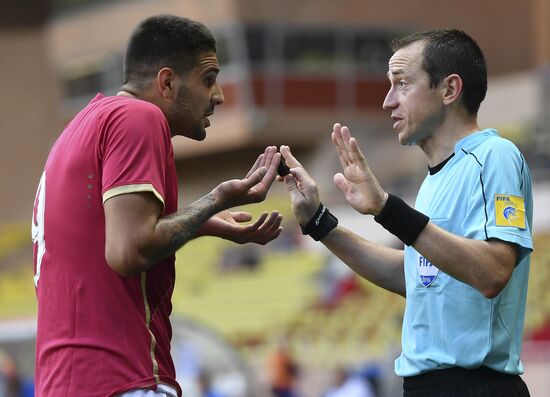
(449, 51)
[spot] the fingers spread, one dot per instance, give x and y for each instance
(258, 223)
(263, 159)
(272, 223)
(255, 177)
(356, 154)
(341, 147)
(272, 226)
(272, 163)
(269, 153)
(346, 136)
(264, 229)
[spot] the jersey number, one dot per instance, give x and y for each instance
(38, 225)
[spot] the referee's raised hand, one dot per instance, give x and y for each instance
(302, 188)
(359, 185)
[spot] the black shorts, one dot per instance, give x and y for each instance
(460, 382)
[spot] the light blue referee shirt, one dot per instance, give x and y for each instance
(483, 192)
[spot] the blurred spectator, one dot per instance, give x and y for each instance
(12, 384)
(283, 371)
(188, 364)
(336, 281)
(542, 333)
(290, 239)
(348, 384)
(206, 387)
(372, 374)
(229, 383)
(246, 257)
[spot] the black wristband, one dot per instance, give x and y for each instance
(321, 223)
(401, 220)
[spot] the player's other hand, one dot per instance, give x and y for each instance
(302, 188)
(359, 185)
(233, 226)
(254, 187)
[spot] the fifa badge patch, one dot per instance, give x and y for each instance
(427, 271)
(510, 211)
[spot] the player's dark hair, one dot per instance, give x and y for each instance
(165, 41)
(449, 51)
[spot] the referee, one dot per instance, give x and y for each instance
(465, 264)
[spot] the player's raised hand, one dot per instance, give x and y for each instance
(254, 187)
(359, 185)
(302, 188)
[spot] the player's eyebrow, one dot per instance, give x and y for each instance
(210, 69)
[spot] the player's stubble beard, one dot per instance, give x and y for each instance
(187, 122)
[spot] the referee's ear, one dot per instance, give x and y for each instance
(451, 88)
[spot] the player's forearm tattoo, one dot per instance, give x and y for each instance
(183, 225)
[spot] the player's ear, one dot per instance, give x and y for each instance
(166, 82)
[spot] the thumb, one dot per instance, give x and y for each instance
(341, 182)
(292, 187)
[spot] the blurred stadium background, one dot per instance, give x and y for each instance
(289, 71)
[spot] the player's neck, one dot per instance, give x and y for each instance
(125, 93)
(128, 90)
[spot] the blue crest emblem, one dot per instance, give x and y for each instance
(509, 213)
(426, 271)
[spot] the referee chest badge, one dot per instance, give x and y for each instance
(427, 271)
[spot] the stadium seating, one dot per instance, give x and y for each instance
(281, 295)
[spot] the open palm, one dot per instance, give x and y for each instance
(254, 187)
(359, 185)
(233, 226)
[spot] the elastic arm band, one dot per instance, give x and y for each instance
(321, 223)
(401, 220)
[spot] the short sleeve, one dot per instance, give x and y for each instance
(502, 198)
(134, 145)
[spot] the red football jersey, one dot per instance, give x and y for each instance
(99, 333)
